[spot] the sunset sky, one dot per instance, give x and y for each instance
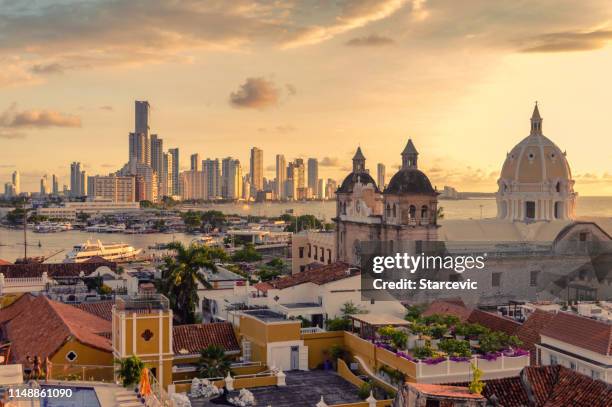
(310, 78)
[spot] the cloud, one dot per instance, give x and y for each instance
(12, 118)
(48, 69)
(329, 162)
(568, 41)
(372, 40)
(255, 93)
(11, 135)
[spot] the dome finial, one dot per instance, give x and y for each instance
(536, 121)
(409, 155)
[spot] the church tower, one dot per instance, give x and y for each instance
(359, 161)
(410, 156)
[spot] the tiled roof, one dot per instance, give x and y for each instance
(263, 286)
(446, 307)
(43, 326)
(580, 331)
(322, 275)
(52, 269)
(17, 307)
(4, 262)
(548, 386)
(102, 309)
(494, 322)
(191, 339)
(529, 332)
(445, 391)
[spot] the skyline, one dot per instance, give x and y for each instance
(308, 83)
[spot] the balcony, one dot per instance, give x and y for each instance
(142, 302)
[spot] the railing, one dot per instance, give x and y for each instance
(143, 301)
(158, 392)
(311, 330)
(86, 373)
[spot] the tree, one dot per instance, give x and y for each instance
(181, 275)
(83, 217)
(192, 220)
(304, 222)
(213, 362)
(15, 217)
(247, 254)
(129, 370)
(348, 308)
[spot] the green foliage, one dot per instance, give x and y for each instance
(476, 330)
(364, 391)
(337, 352)
(396, 336)
(454, 347)
(422, 352)
(304, 222)
(476, 385)
(419, 329)
(413, 312)
(438, 330)
(129, 370)
(213, 362)
(181, 275)
(266, 274)
(397, 376)
(15, 217)
(105, 290)
(348, 308)
(276, 263)
(247, 254)
(496, 341)
(338, 324)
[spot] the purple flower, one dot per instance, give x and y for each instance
(490, 356)
(459, 358)
(434, 361)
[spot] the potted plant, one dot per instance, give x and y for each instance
(460, 330)
(437, 332)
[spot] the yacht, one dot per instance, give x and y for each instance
(116, 252)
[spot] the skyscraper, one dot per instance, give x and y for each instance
(213, 177)
(195, 162)
(174, 152)
(166, 181)
(231, 179)
(313, 176)
(157, 154)
(44, 185)
(380, 176)
(54, 185)
(140, 146)
(142, 109)
(16, 182)
(78, 180)
(256, 169)
(281, 176)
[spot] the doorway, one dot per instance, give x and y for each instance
(295, 358)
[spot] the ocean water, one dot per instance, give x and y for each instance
(46, 244)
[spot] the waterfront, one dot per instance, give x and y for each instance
(45, 244)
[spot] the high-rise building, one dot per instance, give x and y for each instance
(141, 113)
(281, 176)
(9, 190)
(193, 185)
(174, 152)
(195, 162)
(54, 185)
(213, 177)
(146, 180)
(44, 185)
(256, 169)
(330, 188)
(231, 179)
(157, 155)
(78, 180)
(321, 189)
(166, 182)
(16, 182)
(113, 187)
(380, 176)
(313, 176)
(246, 188)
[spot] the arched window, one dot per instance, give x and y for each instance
(394, 211)
(558, 187)
(412, 212)
(424, 214)
(388, 213)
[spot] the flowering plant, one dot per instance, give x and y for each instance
(434, 360)
(516, 352)
(405, 356)
(490, 356)
(459, 358)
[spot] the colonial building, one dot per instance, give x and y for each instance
(405, 210)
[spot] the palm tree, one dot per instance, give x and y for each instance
(213, 362)
(181, 275)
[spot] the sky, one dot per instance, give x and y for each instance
(307, 78)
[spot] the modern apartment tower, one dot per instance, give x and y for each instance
(78, 180)
(313, 176)
(16, 182)
(380, 176)
(174, 152)
(281, 177)
(157, 154)
(231, 179)
(140, 146)
(213, 177)
(54, 185)
(195, 162)
(256, 170)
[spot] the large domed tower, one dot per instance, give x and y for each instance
(536, 181)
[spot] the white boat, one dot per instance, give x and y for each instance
(52, 227)
(116, 252)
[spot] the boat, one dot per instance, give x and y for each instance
(52, 227)
(117, 252)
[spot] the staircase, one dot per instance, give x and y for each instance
(127, 398)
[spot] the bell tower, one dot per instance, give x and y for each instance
(410, 156)
(359, 161)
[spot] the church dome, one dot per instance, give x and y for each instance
(536, 159)
(409, 181)
(356, 177)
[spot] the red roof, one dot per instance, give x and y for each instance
(4, 262)
(445, 391)
(494, 322)
(446, 307)
(580, 331)
(101, 309)
(191, 339)
(41, 326)
(322, 275)
(53, 270)
(529, 332)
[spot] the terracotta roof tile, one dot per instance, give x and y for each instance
(191, 339)
(101, 309)
(322, 275)
(580, 331)
(445, 307)
(4, 262)
(529, 332)
(43, 326)
(494, 322)
(52, 269)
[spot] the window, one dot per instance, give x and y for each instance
(412, 212)
(309, 250)
(530, 210)
(315, 252)
(424, 212)
(71, 356)
(394, 211)
(246, 351)
(496, 279)
(553, 360)
(388, 213)
(573, 365)
(533, 278)
(301, 252)
(583, 236)
(595, 375)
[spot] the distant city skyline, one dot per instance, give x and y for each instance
(307, 81)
